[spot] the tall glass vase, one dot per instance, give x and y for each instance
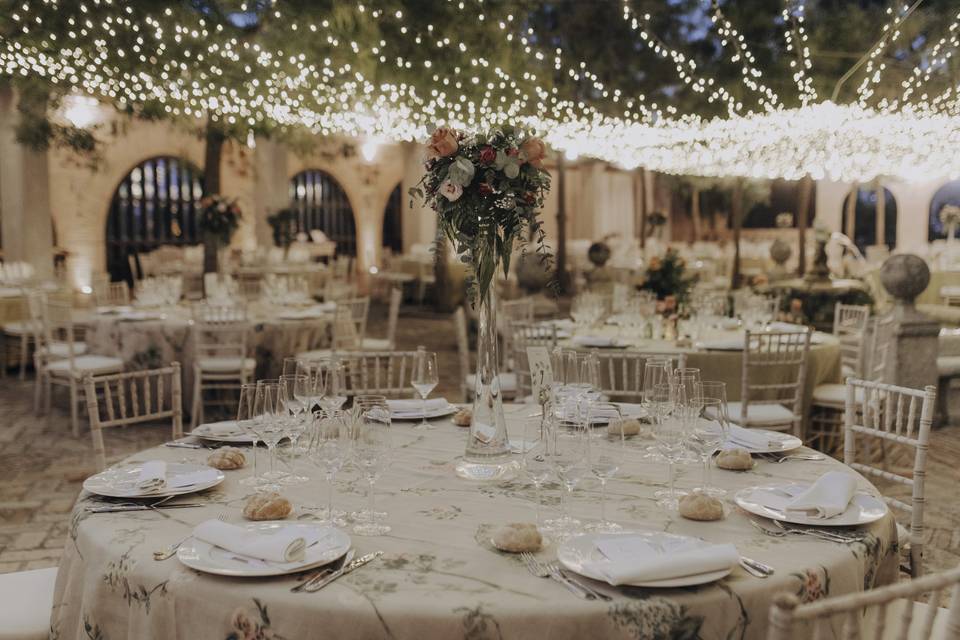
(487, 456)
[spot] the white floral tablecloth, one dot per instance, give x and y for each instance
(439, 577)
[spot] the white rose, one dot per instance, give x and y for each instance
(451, 191)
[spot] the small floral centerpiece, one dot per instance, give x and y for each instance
(218, 220)
(283, 224)
(667, 278)
(487, 190)
(950, 219)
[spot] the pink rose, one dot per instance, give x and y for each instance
(488, 155)
(450, 190)
(534, 150)
(443, 143)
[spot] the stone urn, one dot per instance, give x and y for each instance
(905, 276)
(780, 252)
(598, 254)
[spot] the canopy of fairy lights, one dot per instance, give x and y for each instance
(196, 70)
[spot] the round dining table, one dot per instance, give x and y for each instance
(147, 338)
(439, 575)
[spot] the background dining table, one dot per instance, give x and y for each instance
(440, 577)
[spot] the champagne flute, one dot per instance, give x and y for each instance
(296, 424)
(269, 425)
(669, 433)
(709, 429)
(371, 454)
(536, 462)
(246, 418)
(570, 464)
(424, 379)
(329, 449)
(606, 453)
(656, 371)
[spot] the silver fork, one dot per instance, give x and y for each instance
(554, 568)
(540, 570)
(826, 534)
(166, 553)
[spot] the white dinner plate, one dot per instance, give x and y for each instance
(863, 509)
(450, 409)
(202, 431)
(121, 482)
(209, 558)
(779, 442)
(578, 551)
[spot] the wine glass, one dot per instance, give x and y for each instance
(606, 453)
(536, 462)
(687, 379)
(655, 371)
(668, 431)
(329, 449)
(296, 422)
(269, 425)
(246, 419)
(312, 390)
(334, 385)
(291, 366)
(424, 379)
(570, 463)
(708, 428)
(371, 454)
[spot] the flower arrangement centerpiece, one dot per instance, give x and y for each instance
(487, 190)
(283, 224)
(218, 220)
(667, 278)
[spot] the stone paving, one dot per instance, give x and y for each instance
(42, 466)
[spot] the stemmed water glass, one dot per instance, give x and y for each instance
(333, 384)
(329, 450)
(296, 421)
(371, 454)
(424, 378)
(311, 390)
(536, 463)
(667, 402)
(708, 428)
(570, 464)
(656, 371)
(606, 452)
(269, 425)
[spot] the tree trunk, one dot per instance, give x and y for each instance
(563, 277)
(881, 224)
(213, 154)
(443, 287)
(850, 228)
(736, 211)
(643, 207)
(695, 212)
(803, 217)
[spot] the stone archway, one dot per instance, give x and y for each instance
(322, 203)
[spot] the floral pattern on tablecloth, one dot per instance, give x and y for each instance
(440, 577)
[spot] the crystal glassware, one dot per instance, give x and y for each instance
(246, 420)
(606, 453)
(424, 378)
(372, 449)
(570, 464)
(536, 464)
(269, 425)
(329, 449)
(333, 377)
(709, 429)
(668, 431)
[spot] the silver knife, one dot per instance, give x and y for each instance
(141, 507)
(356, 564)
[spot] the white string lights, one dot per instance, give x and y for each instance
(184, 69)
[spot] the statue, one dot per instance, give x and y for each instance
(820, 272)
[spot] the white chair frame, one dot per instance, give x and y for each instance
(899, 415)
(385, 373)
(850, 322)
(523, 334)
(218, 332)
(787, 614)
(393, 316)
(133, 398)
(621, 373)
(763, 353)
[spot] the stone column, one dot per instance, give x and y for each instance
(24, 195)
(272, 191)
(913, 360)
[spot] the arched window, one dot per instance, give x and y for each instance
(864, 228)
(946, 195)
(393, 222)
(321, 203)
(155, 204)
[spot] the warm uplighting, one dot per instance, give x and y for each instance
(81, 111)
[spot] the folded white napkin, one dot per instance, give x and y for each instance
(224, 428)
(181, 480)
(153, 475)
(829, 496)
(415, 407)
(633, 559)
(283, 545)
(594, 341)
(755, 438)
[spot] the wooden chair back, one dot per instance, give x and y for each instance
(850, 322)
(58, 327)
(393, 317)
(528, 334)
(881, 344)
(891, 414)
(220, 331)
(110, 294)
(774, 369)
(385, 373)
(887, 613)
(621, 373)
(359, 312)
(123, 399)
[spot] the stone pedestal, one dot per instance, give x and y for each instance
(913, 360)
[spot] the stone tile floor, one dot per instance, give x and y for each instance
(42, 466)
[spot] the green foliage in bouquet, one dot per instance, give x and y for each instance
(487, 189)
(284, 226)
(219, 218)
(668, 277)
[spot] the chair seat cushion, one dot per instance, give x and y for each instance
(62, 349)
(376, 344)
(226, 365)
(83, 365)
(19, 328)
(948, 366)
(508, 382)
(26, 604)
(760, 414)
(835, 394)
(846, 371)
